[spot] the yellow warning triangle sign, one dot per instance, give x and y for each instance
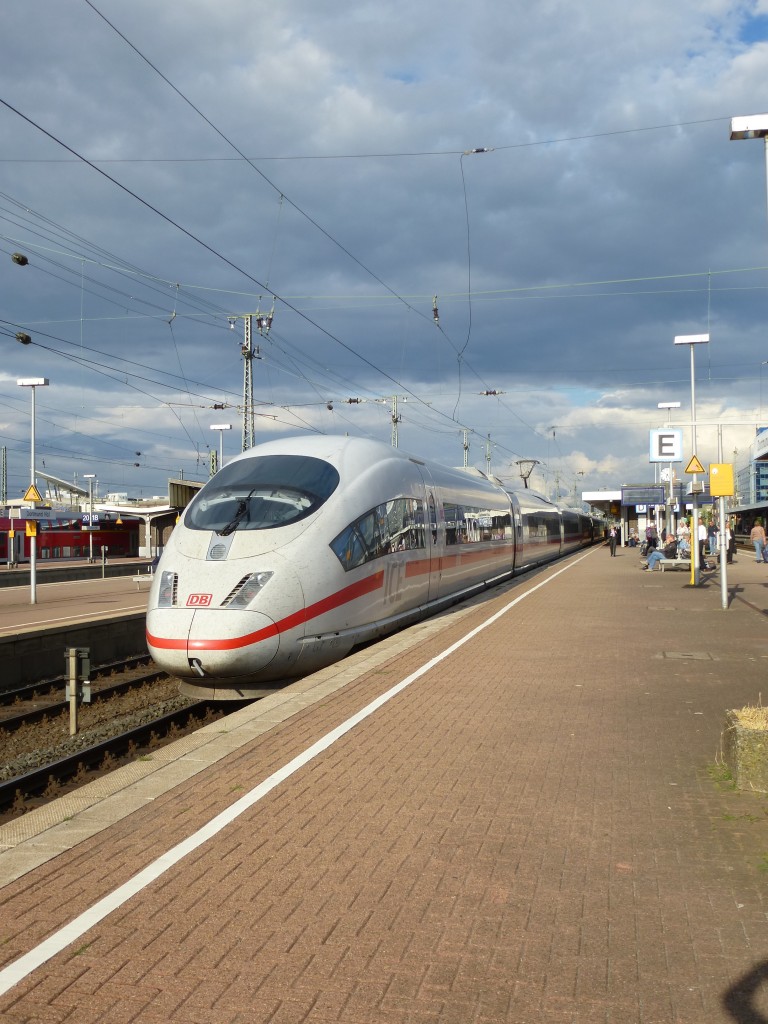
(32, 494)
(694, 466)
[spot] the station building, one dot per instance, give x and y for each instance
(752, 477)
(71, 522)
(636, 506)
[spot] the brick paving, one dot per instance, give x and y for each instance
(536, 830)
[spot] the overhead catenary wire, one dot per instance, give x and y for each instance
(384, 154)
(465, 382)
(283, 196)
(298, 208)
(212, 251)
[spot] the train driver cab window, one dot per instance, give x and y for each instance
(396, 525)
(262, 493)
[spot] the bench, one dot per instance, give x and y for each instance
(674, 563)
(146, 577)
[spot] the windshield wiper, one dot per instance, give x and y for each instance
(242, 513)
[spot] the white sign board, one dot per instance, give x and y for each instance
(666, 445)
(38, 513)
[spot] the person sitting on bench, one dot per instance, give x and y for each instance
(668, 551)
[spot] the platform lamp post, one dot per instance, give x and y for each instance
(33, 383)
(692, 340)
(90, 477)
(221, 427)
(669, 406)
(754, 126)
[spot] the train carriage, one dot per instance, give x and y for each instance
(298, 550)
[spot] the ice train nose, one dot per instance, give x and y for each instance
(232, 645)
(214, 642)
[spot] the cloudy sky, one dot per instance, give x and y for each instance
(559, 176)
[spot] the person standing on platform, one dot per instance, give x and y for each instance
(712, 536)
(651, 537)
(702, 539)
(757, 537)
(613, 536)
(683, 530)
(729, 544)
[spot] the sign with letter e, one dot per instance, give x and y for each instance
(666, 445)
(721, 480)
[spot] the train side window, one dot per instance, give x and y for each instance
(470, 525)
(455, 523)
(396, 525)
(349, 548)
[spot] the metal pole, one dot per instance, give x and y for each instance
(670, 489)
(247, 351)
(723, 541)
(90, 522)
(33, 538)
(695, 565)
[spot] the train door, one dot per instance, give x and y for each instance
(434, 540)
(16, 552)
(517, 530)
(434, 530)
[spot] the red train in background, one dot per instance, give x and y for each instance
(67, 537)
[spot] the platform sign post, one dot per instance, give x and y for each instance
(692, 340)
(33, 383)
(667, 446)
(694, 467)
(722, 486)
(78, 661)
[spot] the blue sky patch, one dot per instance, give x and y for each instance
(755, 29)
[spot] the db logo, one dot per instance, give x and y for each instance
(199, 600)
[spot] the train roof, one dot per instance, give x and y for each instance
(355, 454)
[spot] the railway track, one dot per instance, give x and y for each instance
(23, 793)
(135, 708)
(31, 706)
(38, 690)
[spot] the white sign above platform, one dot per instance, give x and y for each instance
(666, 445)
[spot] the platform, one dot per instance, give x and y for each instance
(108, 616)
(514, 812)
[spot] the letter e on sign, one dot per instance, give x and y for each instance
(666, 445)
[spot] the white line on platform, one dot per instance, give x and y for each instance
(86, 616)
(75, 929)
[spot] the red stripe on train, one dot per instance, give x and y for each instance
(341, 597)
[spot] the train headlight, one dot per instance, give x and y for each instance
(247, 589)
(166, 594)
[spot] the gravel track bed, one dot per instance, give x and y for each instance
(40, 743)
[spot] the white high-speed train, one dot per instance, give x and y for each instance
(298, 550)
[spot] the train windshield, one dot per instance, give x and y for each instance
(262, 493)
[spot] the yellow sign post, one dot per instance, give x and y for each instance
(694, 467)
(721, 486)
